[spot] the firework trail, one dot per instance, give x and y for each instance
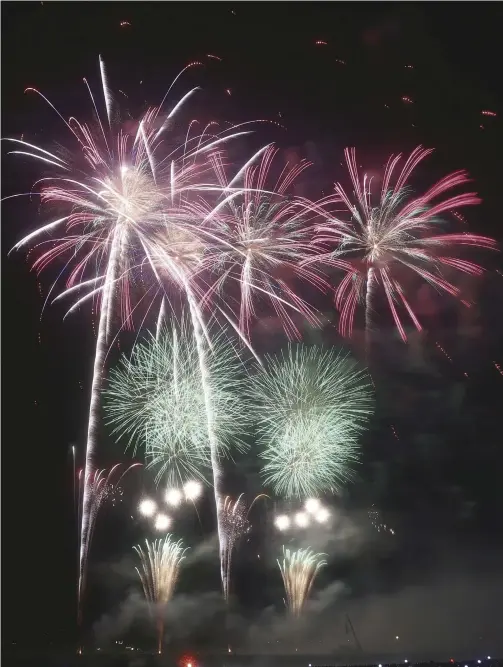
(159, 569)
(376, 520)
(311, 406)
(374, 242)
(155, 399)
(299, 569)
(121, 197)
(234, 525)
(103, 485)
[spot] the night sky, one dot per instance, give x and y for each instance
(433, 457)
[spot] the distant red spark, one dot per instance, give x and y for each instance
(498, 368)
(443, 351)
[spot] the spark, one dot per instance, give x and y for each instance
(376, 242)
(323, 515)
(311, 405)
(298, 570)
(312, 505)
(489, 113)
(162, 522)
(377, 522)
(443, 352)
(147, 507)
(301, 519)
(159, 569)
(173, 497)
(282, 522)
(192, 490)
(498, 368)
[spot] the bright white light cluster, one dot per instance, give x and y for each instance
(313, 511)
(174, 498)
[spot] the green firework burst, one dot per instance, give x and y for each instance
(311, 405)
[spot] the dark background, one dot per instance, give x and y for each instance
(433, 459)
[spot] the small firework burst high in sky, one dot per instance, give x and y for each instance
(376, 241)
(299, 569)
(159, 569)
(311, 406)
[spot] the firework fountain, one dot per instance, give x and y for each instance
(235, 524)
(299, 569)
(159, 569)
(103, 484)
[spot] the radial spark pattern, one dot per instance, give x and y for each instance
(312, 404)
(380, 236)
(156, 400)
(264, 235)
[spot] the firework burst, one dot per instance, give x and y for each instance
(159, 569)
(299, 569)
(156, 399)
(120, 194)
(311, 406)
(376, 242)
(263, 236)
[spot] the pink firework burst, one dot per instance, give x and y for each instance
(373, 238)
(119, 194)
(261, 236)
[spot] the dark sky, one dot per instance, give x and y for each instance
(433, 458)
